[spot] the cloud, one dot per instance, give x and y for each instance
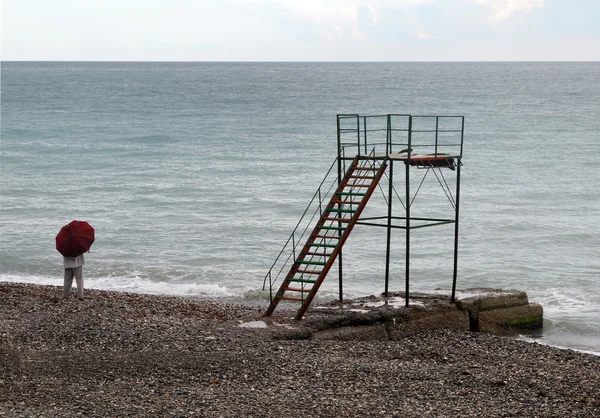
(342, 18)
(421, 34)
(373, 13)
(337, 18)
(501, 10)
(352, 19)
(322, 11)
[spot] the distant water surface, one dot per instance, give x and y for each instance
(194, 175)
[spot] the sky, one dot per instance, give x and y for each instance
(300, 30)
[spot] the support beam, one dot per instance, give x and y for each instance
(455, 273)
(389, 228)
(407, 266)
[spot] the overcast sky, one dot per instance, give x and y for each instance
(301, 30)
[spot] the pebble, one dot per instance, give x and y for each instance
(126, 354)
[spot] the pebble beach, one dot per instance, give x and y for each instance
(123, 354)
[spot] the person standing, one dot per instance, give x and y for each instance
(74, 268)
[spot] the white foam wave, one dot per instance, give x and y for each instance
(135, 284)
(564, 302)
(563, 347)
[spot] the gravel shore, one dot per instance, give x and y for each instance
(121, 354)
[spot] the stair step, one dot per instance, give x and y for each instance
(345, 202)
(356, 185)
(366, 168)
(337, 228)
(342, 210)
(361, 177)
(328, 236)
(293, 279)
(294, 289)
(313, 244)
(316, 254)
(311, 263)
(291, 298)
(350, 194)
(308, 271)
(338, 219)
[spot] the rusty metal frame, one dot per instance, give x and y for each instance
(363, 133)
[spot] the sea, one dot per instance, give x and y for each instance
(194, 175)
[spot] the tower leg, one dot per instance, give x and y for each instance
(455, 273)
(407, 267)
(389, 229)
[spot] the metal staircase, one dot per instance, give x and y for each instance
(333, 228)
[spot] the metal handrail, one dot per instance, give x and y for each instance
(317, 196)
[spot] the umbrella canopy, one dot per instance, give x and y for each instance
(75, 238)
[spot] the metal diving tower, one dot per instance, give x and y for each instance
(368, 149)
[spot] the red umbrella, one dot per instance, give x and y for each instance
(75, 238)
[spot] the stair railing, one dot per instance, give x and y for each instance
(288, 253)
(305, 225)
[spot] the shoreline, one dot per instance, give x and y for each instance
(118, 353)
(544, 336)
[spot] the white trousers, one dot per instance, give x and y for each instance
(76, 272)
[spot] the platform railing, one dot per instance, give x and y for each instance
(392, 133)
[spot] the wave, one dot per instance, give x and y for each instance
(536, 340)
(136, 284)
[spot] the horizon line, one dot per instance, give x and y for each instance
(303, 61)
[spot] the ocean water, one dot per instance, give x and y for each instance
(195, 174)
